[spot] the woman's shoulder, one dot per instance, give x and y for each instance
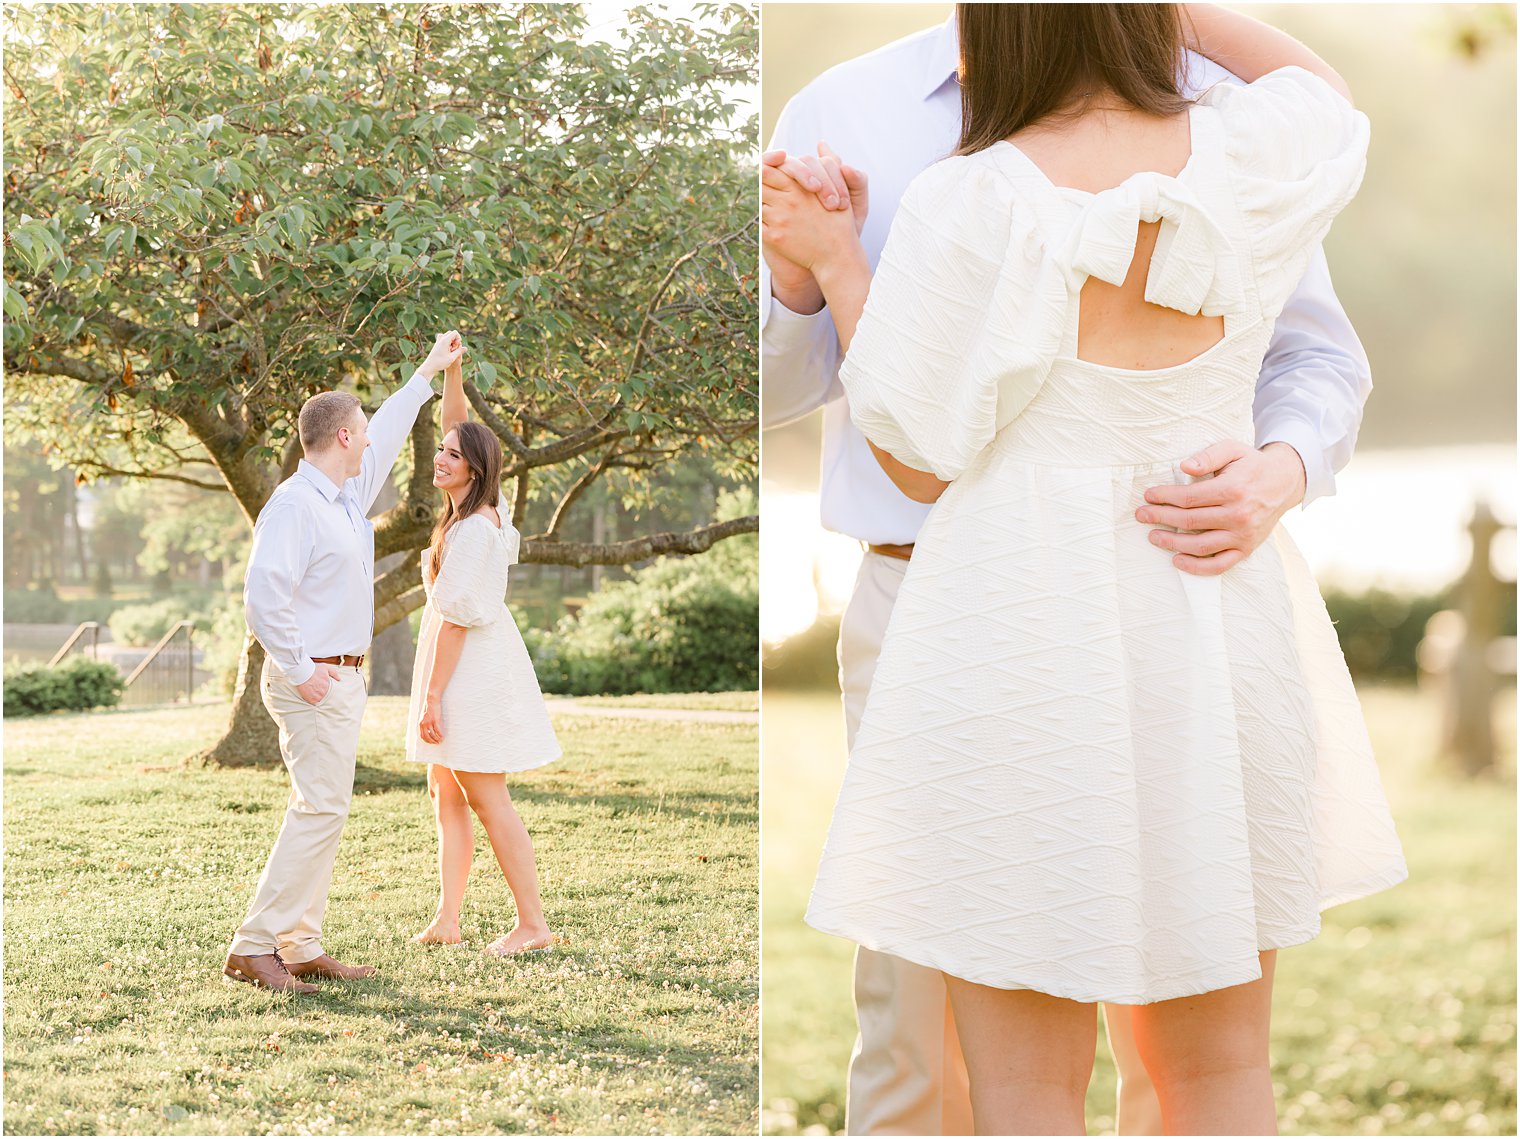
(967, 206)
(959, 181)
(474, 530)
(1285, 122)
(488, 516)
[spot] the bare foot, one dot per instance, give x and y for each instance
(524, 939)
(438, 933)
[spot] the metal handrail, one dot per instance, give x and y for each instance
(68, 645)
(163, 643)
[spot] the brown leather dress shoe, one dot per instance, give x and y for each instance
(264, 971)
(325, 966)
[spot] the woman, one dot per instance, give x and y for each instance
(1083, 775)
(476, 709)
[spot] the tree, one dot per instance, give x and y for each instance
(213, 212)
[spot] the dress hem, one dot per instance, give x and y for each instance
(1287, 939)
(488, 770)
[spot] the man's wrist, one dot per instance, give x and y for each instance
(801, 294)
(305, 669)
(1295, 471)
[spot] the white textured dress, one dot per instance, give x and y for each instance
(494, 717)
(1081, 770)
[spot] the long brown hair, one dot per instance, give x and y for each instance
(482, 452)
(1022, 62)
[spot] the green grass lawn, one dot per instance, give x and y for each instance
(1399, 1019)
(685, 701)
(125, 879)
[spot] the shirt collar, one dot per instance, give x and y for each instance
(944, 58)
(330, 490)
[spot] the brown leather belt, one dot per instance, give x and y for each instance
(903, 552)
(344, 661)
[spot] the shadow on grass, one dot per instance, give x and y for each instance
(371, 778)
(601, 1045)
(739, 807)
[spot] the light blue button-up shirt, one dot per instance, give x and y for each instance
(310, 589)
(893, 113)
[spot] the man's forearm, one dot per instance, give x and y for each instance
(388, 430)
(1314, 382)
(799, 355)
(277, 631)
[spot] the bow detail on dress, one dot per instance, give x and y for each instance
(1193, 269)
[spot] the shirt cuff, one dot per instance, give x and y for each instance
(785, 329)
(420, 386)
(300, 672)
(1319, 479)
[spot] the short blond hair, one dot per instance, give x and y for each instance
(322, 415)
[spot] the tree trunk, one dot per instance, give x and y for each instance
(251, 739)
(391, 653)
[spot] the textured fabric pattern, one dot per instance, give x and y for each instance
(494, 717)
(1081, 770)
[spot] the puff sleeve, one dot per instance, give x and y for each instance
(962, 322)
(1297, 150)
(471, 585)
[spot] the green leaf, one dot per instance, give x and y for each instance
(15, 304)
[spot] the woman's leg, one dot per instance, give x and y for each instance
(1207, 1056)
(1029, 1056)
(456, 850)
(488, 797)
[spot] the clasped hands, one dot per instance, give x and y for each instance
(447, 350)
(812, 211)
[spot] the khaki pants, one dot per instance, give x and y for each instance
(319, 743)
(907, 1074)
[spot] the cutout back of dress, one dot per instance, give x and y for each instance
(1116, 326)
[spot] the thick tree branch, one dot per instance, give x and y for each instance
(538, 550)
(398, 607)
(398, 579)
(47, 364)
(100, 468)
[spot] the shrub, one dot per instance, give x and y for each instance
(1380, 631)
(77, 685)
(679, 625)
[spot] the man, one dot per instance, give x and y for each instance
(309, 599)
(892, 113)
